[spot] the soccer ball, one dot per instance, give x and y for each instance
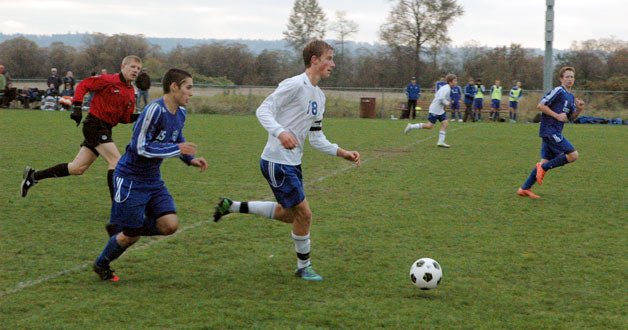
(426, 273)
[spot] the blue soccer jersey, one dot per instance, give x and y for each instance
(156, 136)
(560, 101)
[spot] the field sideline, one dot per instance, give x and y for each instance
(509, 262)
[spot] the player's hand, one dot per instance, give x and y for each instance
(200, 163)
(579, 103)
(562, 117)
(77, 114)
(352, 156)
(187, 148)
(288, 140)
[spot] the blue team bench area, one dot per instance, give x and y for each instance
(600, 120)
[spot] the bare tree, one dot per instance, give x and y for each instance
(344, 28)
(306, 22)
(412, 25)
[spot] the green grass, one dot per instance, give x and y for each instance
(509, 262)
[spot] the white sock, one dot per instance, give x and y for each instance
(416, 126)
(265, 209)
(302, 247)
(441, 136)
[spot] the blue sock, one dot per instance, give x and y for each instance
(111, 252)
(530, 180)
(558, 161)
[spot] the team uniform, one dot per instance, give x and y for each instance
(140, 193)
(456, 95)
(295, 106)
(478, 101)
(413, 91)
(113, 102)
(439, 84)
(554, 146)
(496, 99)
(436, 113)
(514, 96)
(469, 95)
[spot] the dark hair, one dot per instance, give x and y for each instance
(174, 76)
(314, 48)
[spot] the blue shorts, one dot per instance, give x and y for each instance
(513, 104)
(555, 145)
(135, 200)
(455, 105)
(432, 118)
(286, 182)
(478, 104)
(495, 104)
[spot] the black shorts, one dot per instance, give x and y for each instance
(95, 132)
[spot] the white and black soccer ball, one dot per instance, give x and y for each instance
(426, 273)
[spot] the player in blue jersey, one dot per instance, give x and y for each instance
(456, 95)
(557, 107)
(142, 205)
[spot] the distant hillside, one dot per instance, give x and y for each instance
(167, 44)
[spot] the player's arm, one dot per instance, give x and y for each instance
(146, 133)
(549, 112)
(268, 110)
(579, 108)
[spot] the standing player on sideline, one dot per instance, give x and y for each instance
(142, 205)
(113, 102)
(437, 111)
(291, 113)
(557, 107)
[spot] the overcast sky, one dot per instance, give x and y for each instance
(488, 23)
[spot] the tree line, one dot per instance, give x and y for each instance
(413, 43)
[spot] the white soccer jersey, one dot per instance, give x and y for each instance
(295, 106)
(441, 99)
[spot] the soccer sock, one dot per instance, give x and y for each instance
(416, 126)
(111, 252)
(57, 171)
(265, 209)
(530, 180)
(441, 136)
(110, 182)
(558, 161)
(302, 247)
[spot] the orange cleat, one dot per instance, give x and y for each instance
(527, 193)
(540, 173)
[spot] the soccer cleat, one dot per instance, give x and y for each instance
(28, 180)
(527, 193)
(106, 273)
(443, 145)
(540, 173)
(222, 208)
(407, 129)
(308, 274)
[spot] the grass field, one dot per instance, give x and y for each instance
(509, 262)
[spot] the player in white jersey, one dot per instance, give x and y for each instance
(437, 111)
(292, 113)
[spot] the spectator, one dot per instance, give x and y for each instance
(440, 83)
(3, 82)
(496, 99)
(8, 96)
(51, 91)
(469, 95)
(513, 101)
(413, 92)
(28, 95)
(143, 85)
(67, 90)
(456, 95)
(69, 79)
(103, 71)
(54, 79)
(478, 100)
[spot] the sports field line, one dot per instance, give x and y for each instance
(146, 244)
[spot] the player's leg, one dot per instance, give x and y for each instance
(443, 131)
(127, 215)
(431, 120)
(109, 152)
(562, 153)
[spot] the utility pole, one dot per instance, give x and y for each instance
(548, 62)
